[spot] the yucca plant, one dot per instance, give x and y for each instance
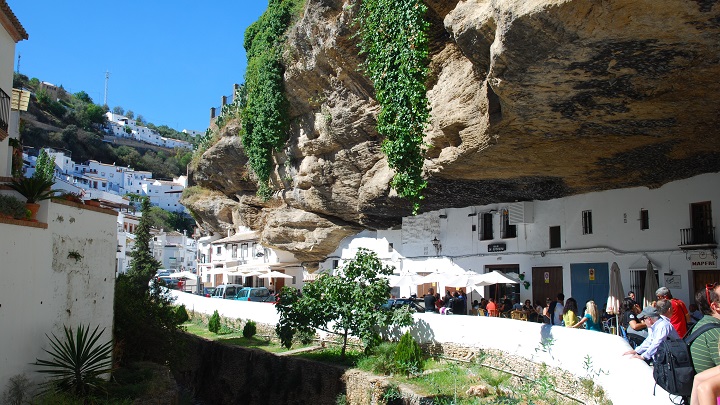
(78, 362)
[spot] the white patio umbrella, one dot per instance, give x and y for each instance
(273, 275)
(651, 285)
(616, 294)
(496, 277)
(409, 280)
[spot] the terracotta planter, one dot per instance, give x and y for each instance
(34, 208)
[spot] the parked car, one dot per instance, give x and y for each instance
(168, 282)
(227, 291)
(258, 294)
(394, 303)
(207, 291)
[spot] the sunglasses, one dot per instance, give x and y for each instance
(709, 287)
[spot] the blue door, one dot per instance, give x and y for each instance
(590, 281)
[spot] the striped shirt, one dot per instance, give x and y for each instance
(704, 350)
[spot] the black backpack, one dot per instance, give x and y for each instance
(672, 364)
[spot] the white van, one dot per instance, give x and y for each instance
(227, 291)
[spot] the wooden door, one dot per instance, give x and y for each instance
(218, 280)
(700, 278)
(702, 226)
(547, 282)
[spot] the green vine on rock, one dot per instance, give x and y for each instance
(265, 116)
(393, 35)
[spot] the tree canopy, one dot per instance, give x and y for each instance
(345, 304)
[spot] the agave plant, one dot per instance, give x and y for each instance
(33, 188)
(77, 363)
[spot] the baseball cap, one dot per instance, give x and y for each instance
(648, 312)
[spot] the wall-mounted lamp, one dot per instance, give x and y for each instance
(437, 245)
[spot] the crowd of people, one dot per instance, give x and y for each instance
(644, 328)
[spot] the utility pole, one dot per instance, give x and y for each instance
(18, 65)
(107, 77)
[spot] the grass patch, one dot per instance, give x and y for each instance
(332, 355)
(235, 338)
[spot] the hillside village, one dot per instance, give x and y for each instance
(664, 235)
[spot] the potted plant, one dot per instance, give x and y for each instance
(34, 189)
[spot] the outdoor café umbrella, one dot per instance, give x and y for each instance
(406, 280)
(273, 275)
(616, 294)
(495, 277)
(651, 285)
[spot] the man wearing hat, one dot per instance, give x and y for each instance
(679, 317)
(659, 328)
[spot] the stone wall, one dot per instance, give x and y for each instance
(223, 374)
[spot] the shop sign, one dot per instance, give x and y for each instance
(702, 261)
(497, 247)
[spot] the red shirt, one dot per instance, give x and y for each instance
(678, 318)
(491, 306)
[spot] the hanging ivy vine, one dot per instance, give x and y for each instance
(393, 36)
(265, 120)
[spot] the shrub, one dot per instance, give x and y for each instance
(78, 362)
(181, 314)
(250, 329)
(214, 322)
(12, 207)
(381, 359)
(408, 356)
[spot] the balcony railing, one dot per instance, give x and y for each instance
(700, 237)
(4, 113)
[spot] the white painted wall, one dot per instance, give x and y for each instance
(43, 289)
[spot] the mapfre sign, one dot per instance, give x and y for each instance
(703, 262)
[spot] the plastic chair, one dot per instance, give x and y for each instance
(481, 312)
(494, 312)
(519, 315)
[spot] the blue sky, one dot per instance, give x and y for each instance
(169, 61)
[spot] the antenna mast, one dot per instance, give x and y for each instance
(107, 77)
(18, 64)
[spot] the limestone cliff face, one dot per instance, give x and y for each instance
(531, 99)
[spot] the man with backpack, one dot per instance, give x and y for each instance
(659, 328)
(704, 349)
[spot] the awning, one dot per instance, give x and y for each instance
(238, 237)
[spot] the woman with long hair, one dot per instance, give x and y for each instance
(570, 312)
(636, 329)
(591, 319)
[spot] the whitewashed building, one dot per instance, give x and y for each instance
(124, 127)
(564, 245)
(241, 259)
(174, 250)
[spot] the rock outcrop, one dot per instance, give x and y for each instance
(531, 99)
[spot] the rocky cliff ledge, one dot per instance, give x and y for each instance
(531, 99)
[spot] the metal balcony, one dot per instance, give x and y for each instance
(698, 238)
(4, 114)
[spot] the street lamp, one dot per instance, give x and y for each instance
(437, 245)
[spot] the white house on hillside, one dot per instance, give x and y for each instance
(124, 127)
(66, 258)
(563, 245)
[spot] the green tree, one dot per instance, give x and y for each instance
(146, 323)
(118, 110)
(345, 304)
(130, 114)
(83, 96)
(45, 166)
(140, 120)
(143, 265)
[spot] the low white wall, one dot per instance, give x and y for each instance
(261, 312)
(624, 379)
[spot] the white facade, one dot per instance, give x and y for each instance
(124, 127)
(174, 250)
(240, 259)
(579, 266)
(45, 287)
